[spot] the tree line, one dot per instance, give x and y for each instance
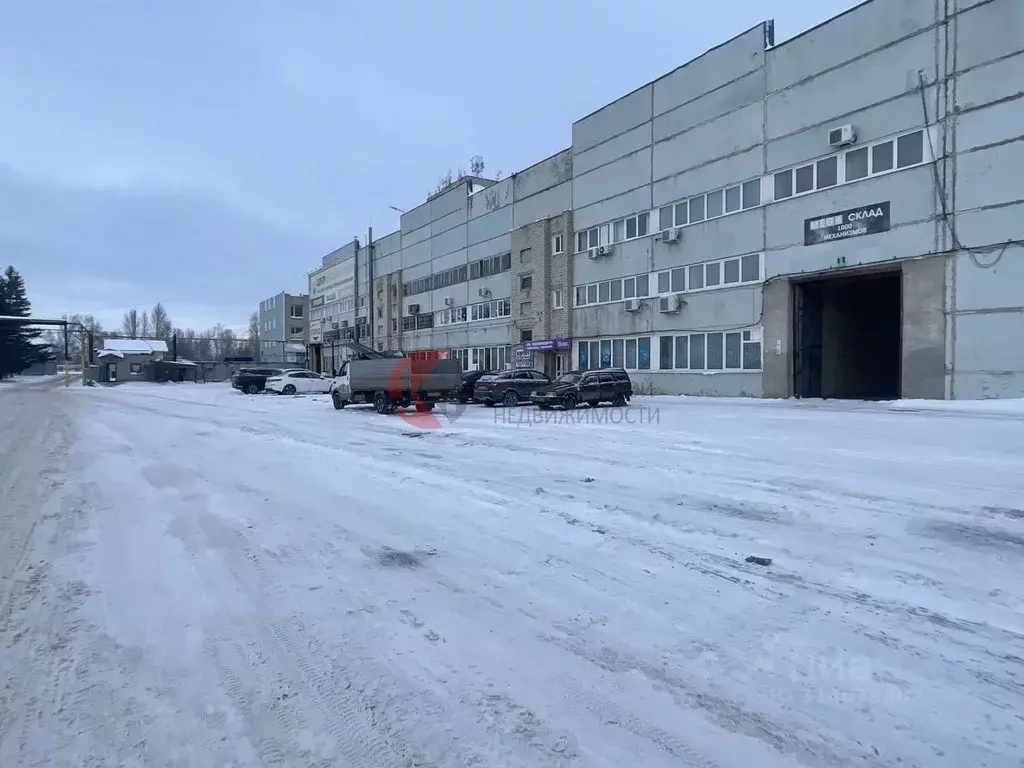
(20, 346)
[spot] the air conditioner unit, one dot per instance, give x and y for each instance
(632, 305)
(484, 292)
(593, 253)
(843, 136)
(670, 303)
(671, 235)
(414, 309)
(449, 302)
(604, 250)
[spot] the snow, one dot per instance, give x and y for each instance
(111, 353)
(134, 346)
(256, 579)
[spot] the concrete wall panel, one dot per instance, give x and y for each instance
(415, 218)
(548, 173)
(990, 177)
(747, 90)
(924, 328)
(449, 202)
(492, 247)
(543, 205)
(414, 254)
(605, 182)
(629, 258)
(415, 236)
(697, 384)
(734, 235)
(989, 32)
(491, 225)
(452, 240)
(851, 88)
(453, 259)
(730, 134)
(998, 287)
(604, 153)
(988, 83)
(712, 310)
(985, 343)
(846, 38)
(618, 117)
(708, 72)
(491, 199)
(990, 125)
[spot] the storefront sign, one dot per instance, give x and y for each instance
(317, 302)
(524, 358)
(543, 345)
(866, 220)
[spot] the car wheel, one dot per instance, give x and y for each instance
(619, 400)
(511, 399)
(289, 389)
(569, 402)
(252, 389)
(593, 403)
(338, 402)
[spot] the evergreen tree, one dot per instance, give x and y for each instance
(19, 344)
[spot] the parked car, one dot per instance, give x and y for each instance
(469, 381)
(508, 387)
(254, 380)
(298, 382)
(611, 385)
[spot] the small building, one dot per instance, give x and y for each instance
(127, 359)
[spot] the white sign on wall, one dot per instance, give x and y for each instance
(335, 282)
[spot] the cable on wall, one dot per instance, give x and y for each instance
(976, 253)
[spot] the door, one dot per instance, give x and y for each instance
(111, 371)
(590, 387)
(607, 386)
(808, 311)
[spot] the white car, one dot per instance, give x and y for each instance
(298, 383)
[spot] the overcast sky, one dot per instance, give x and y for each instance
(207, 154)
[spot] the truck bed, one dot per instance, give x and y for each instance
(404, 375)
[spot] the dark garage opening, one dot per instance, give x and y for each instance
(848, 337)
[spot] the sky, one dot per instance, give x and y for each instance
(208, 154)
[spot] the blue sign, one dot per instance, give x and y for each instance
(543, 345)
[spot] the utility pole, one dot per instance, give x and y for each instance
(369, 281)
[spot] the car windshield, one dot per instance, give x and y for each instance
(568, 378)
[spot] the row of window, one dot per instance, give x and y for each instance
(717, 351)
(904, 151)
(492, 265)
(483, 311)
(708, 275)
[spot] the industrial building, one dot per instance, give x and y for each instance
(833, 216)
(283, 326)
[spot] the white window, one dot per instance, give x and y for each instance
(296, 310)
(557, 244)
(587, 239)
(556, 299)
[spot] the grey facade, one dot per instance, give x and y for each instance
(734, 149)
(766, 220)
(284, 328)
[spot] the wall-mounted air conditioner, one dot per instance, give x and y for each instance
(670, 303)
(843, 136)
(449, 301)
(592, 253)
(484, 292)
(604, 250)
(672, 235)
(632, 305)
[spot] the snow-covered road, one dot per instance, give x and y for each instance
(214, 579)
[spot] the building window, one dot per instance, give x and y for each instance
(715, 351)
(526, 282)
(632, 354)
(558, 244)
(587, 239)
(296, 310)
(664, 282)
(525, 335)
(409, 323)
(828, 172)
(296, 330)
(714, 204)
(394, 325)
(910, 149)
(751, 194)
(556, 299)
(136, 369)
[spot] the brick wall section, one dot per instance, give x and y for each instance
(532, 246)
(387, 291)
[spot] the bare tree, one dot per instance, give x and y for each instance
(161, 322)
(130, 323)
(144, 326)
(254, 336)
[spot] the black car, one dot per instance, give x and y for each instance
(252, 381)
(469, 379)
(508, 387)
(607, 385)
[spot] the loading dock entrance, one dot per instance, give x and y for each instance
(848, 336)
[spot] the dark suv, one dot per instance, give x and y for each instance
(508, 387)
(252, 381)
(469, 379)
(607, 385)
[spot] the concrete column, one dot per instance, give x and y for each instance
(777, 311)
(924, 328)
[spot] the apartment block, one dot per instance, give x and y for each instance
(283, 327)
(836, 215)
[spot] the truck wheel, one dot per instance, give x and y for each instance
(338, 402)
(511, 399)
(252, 389)
(382, 404)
